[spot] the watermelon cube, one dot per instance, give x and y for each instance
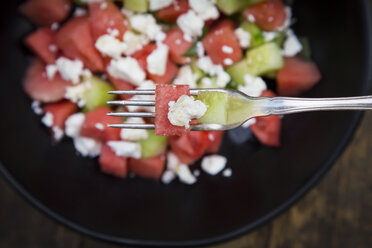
(151, 168)
(120, 84)
(95, 125)
(171, 71)
(76, 42)
(42, 43)
(104, 20)
(60, 112)
(40, 88)
(164, 94)
(177, 46)
(216, 139)
(46, 12)
(172, 12)
(112, 164)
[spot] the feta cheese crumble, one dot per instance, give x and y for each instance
(70, 70)
(292, 45)
(191, 24)
(110, 46)
(176, 168)
(87, 147)
(184, 110)
(227, 49)
(186, 76)
(205, 9)
(159, 4)
(100, 126)
(213, 164)
(73, 124)
(47, 119)
(228, 61)
(125, 149)
(157, 60)
(35, 105)
(146, 24)
(185, 175)
(168, 176)
(135, 134)
(200, 51)
(254, 86)
(227, 172)
(76, 93)
(244, 37)
(51, 71)
(127, 69)
(57, 133)
(134, 42)
(205, 64)
(269, 36)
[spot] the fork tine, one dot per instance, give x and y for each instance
(133, 126)
(133, 114)
(132, 92)
(133, 102)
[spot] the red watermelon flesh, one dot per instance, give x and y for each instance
(177, 46)
(95, 125)
(151, 168)
(172, 12)
(46, 12)
(112, 164)
(216, 139)
(171, 71)
(103, 20)
(164, 94)
(76, 42)
(42, 43)
(40, 88)
(120, 84)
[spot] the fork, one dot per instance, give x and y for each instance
(260, 106)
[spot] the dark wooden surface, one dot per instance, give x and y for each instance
(336, 213)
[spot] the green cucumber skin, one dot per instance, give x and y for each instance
(237, 71)
(97, 95)
(154, 145)
(230, 7)
(140, 6)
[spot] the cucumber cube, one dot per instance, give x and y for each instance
(237, 71)
(216, 107)
(230, 7)
(257, 37)
(97, 95)
(140, 6)
(154, 145)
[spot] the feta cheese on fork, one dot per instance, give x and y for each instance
(184, 110)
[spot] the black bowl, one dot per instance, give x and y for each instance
(265, 181)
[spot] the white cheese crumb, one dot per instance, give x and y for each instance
(213, 164)
(125, 149)
(227, 49)
(80, 12)
(292, 45)
(227, 172)
(244, 37)
(186, 76)
(159, 4)
(51, 71)
(251, 18)
(269, 36)
(206, 9)
(76, 93)
(54, 26)
(57, 133)
(127, 69)
(200, 49)
(113, 32)
(211, 137)
(70, 70)
(100, 126)
(146, 24)
(157, 60)
(73, 124)
(110, 46)
(196, 173)
(47, 119)
(126, 12)
(134, 42)
(168, 176)
(228, 61)
(185, 175)
(191, 24)
(205, 64)
(103, 5)
(135, 134)
(87, 147)
(249, 123)
(184, 110)
(52, 48)
(187, 38)
(254, 86)
(35, 105)
(288, 20)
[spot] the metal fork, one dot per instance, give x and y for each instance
(260, 106)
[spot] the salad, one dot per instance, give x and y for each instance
(85, 48)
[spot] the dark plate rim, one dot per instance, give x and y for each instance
(245, 229)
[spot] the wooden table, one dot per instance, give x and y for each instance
(336, 213)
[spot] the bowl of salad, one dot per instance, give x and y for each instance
(171, 186)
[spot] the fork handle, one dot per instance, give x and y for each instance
(290, 105)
